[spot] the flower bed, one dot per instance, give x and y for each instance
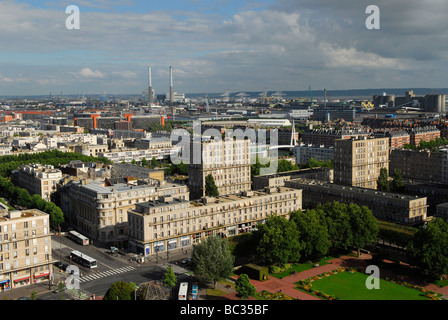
(266, 295)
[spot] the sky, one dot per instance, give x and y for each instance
(219, 45)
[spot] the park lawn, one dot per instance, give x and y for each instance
(351, 286)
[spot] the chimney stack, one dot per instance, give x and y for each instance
(150, 87)
(171, 86)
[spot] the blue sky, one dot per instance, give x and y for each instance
(215, 45)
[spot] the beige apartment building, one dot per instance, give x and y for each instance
(99, 210)
(358, 161)
(227, 160)
(169, 223)
(38, 179)
(387, 206)
(25, 248)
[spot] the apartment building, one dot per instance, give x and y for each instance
(421, 165)
(166, 224)
(227, 160)
(129, 170)
(328, 136)
(278, 179)
(394, 207)
(304, 152)
(38, 179)
(25, 248)
(99, 210)
(424, 133)
(358, 161)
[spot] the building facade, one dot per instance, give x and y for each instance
(421, 165)
(99, 211)
(304, 152)
(227, 160)
(158, 226)
(38, 179)
(387, 206)
(358, 161)
(25, 248)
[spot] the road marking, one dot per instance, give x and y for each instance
(106, 273)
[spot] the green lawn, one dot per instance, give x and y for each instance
(351, 286)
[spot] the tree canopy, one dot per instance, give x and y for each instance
(428, 250)
(212, 260)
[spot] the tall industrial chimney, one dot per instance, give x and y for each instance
(171, 86)
(150, 87)
(325, 97)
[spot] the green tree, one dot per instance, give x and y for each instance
(397, 184)
(428, 250)
(120, 291)
(364, 226)
(278, 241)
(211, 190)
(154, 162)
(336, 218)
(243, 286)
(212, 260)
(169, 278)
(383, 180)
(313, 233)
(144, 162)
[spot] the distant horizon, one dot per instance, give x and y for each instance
(251, 94)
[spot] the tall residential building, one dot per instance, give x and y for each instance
(25, 248)
(166, 224)
(358, 161)
(38, 179)
(227, 160)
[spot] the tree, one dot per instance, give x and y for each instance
(313, 233)
(278, 241)
(144, 162)
(397, 182)
(154, 162)
(383, 180)
(428, 250)
(335, 216)
(120, 291)
(169, 278)
(364, 226)
(212, 260)
(211, 190)
(243, 286)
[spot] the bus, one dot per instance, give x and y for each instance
(83, 259)
(183, 289)
(79, 238)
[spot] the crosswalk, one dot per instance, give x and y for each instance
(106, 273)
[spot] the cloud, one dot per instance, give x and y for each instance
(285, 46)
(89, 73)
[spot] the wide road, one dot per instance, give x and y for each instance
(110, 269)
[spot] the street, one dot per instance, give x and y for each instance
(111, 268)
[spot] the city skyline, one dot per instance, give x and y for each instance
(218, 45)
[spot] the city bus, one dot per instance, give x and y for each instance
(83, 259)
(183, 289)
(79, 238)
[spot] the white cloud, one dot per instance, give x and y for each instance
(89, 73)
